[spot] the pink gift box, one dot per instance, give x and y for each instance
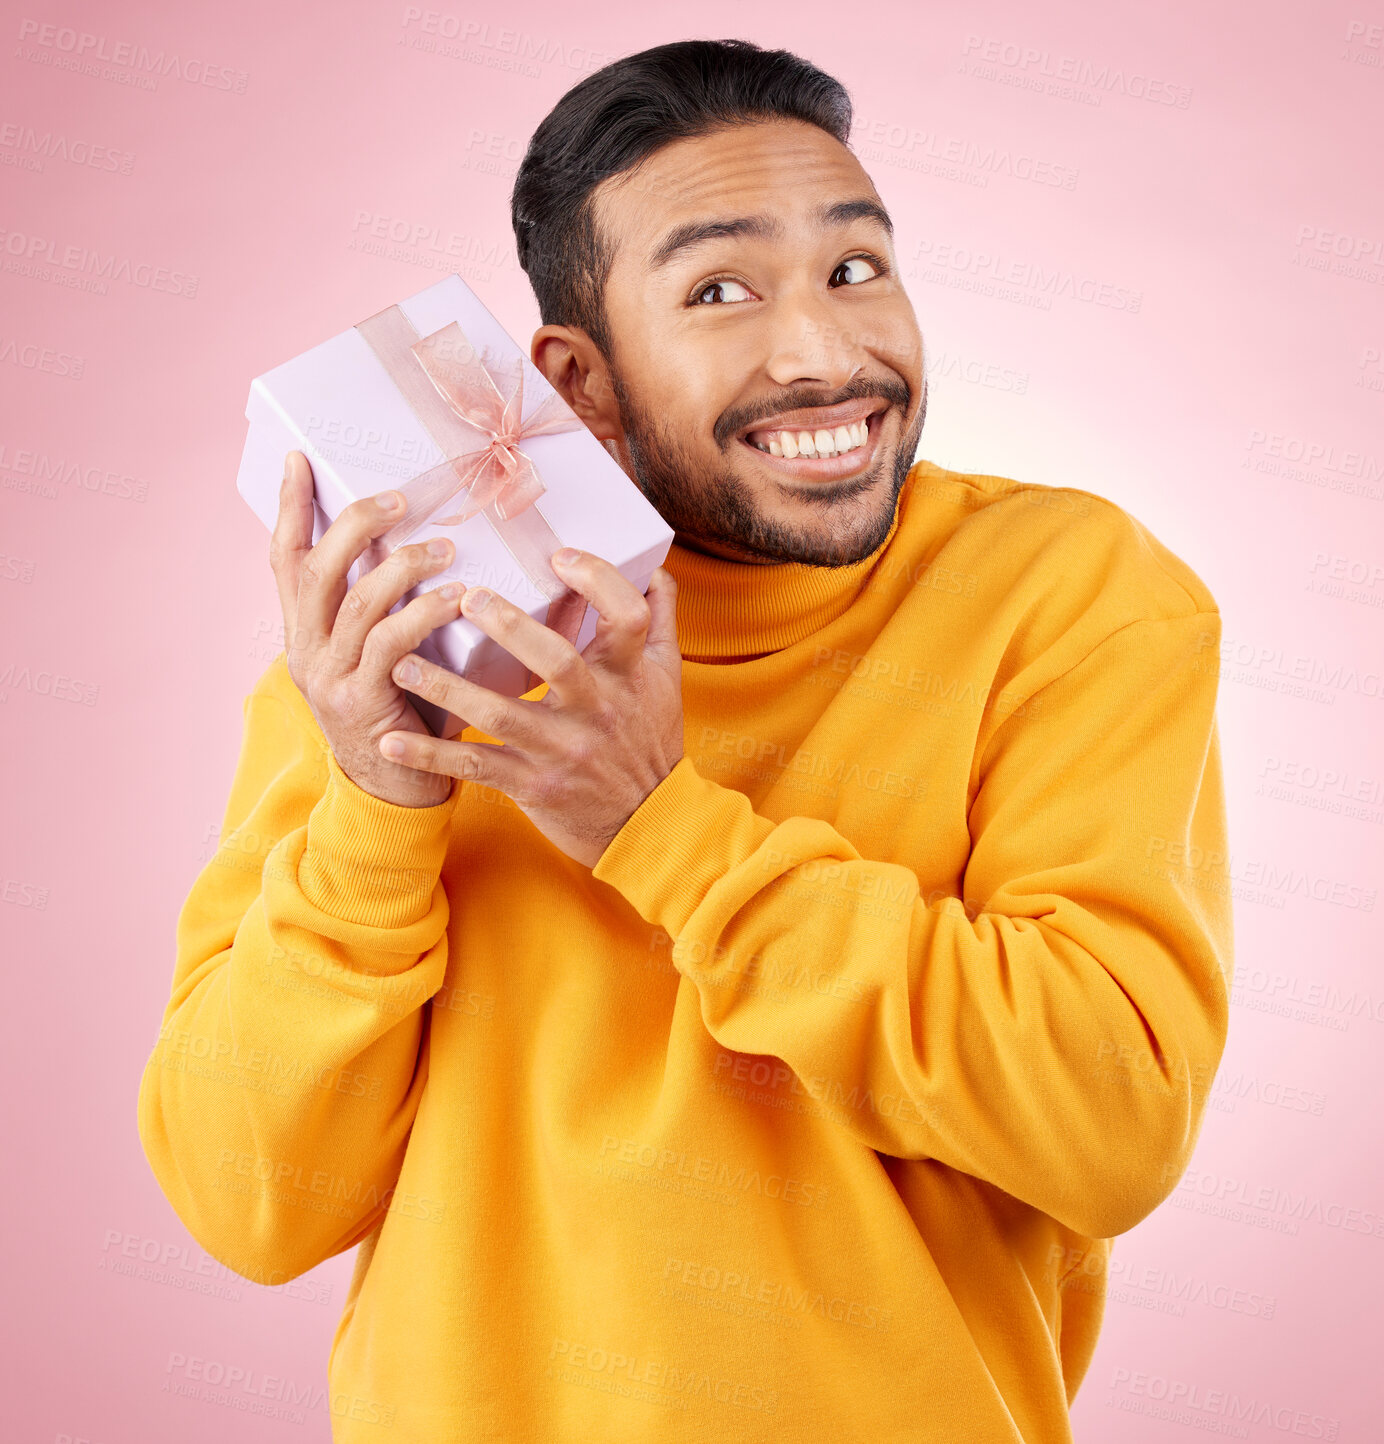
(432, 398)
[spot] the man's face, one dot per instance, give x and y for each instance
(776, 326)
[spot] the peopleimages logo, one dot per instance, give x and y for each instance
(1267, 665)
(46, 259)
(1066, 76)
(235, 1386)
(39, 472)
(1036, 284)
(1181, 1401)
(516, 47)
(916, 149)
(28, 148)
(31, 356)
(64, 48)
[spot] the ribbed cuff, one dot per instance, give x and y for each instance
(678, 843)
(369, 861)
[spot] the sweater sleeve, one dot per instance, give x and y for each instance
(1053, 1031)
(276, 1103)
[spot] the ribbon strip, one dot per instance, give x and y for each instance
(471, 404)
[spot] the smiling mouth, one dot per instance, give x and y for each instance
(818, 453)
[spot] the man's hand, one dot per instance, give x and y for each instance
(342, 645)
(606, 733)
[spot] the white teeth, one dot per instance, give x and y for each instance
(790, 444)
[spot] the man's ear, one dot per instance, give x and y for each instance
(577, 371)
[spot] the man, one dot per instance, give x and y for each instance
(760, 1030)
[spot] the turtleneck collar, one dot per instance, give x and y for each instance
(731, 611)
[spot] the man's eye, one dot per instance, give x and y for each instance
(720, 286)
(877, 268)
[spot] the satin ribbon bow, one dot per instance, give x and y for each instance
(471, 403)
(481, 427)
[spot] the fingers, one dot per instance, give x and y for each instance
(624, 616)
(513, 721)
(485, 763)
(322, 575)
(401, 633)
(370, 600)
(542, 650)
(662, 598)
(291, 539)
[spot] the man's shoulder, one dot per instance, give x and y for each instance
(1050, 572)
(1060, 546)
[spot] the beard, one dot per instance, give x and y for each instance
(715, 505)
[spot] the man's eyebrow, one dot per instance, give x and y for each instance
(762, 227)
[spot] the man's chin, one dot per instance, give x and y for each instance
(758, 508)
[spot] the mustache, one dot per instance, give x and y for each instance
(892, 388)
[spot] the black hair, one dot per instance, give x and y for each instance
(612, 120)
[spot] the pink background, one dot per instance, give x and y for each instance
(1237, 412)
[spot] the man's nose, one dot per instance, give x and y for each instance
(808, 344)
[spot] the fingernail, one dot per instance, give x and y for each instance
(566, 556)
(477, 599)
(407, 672)
(288, 466)
(439, 547)
(389, 500)
(392, 747)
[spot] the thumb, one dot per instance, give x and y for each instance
(662, 597)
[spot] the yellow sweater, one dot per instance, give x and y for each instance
(810, 1111)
